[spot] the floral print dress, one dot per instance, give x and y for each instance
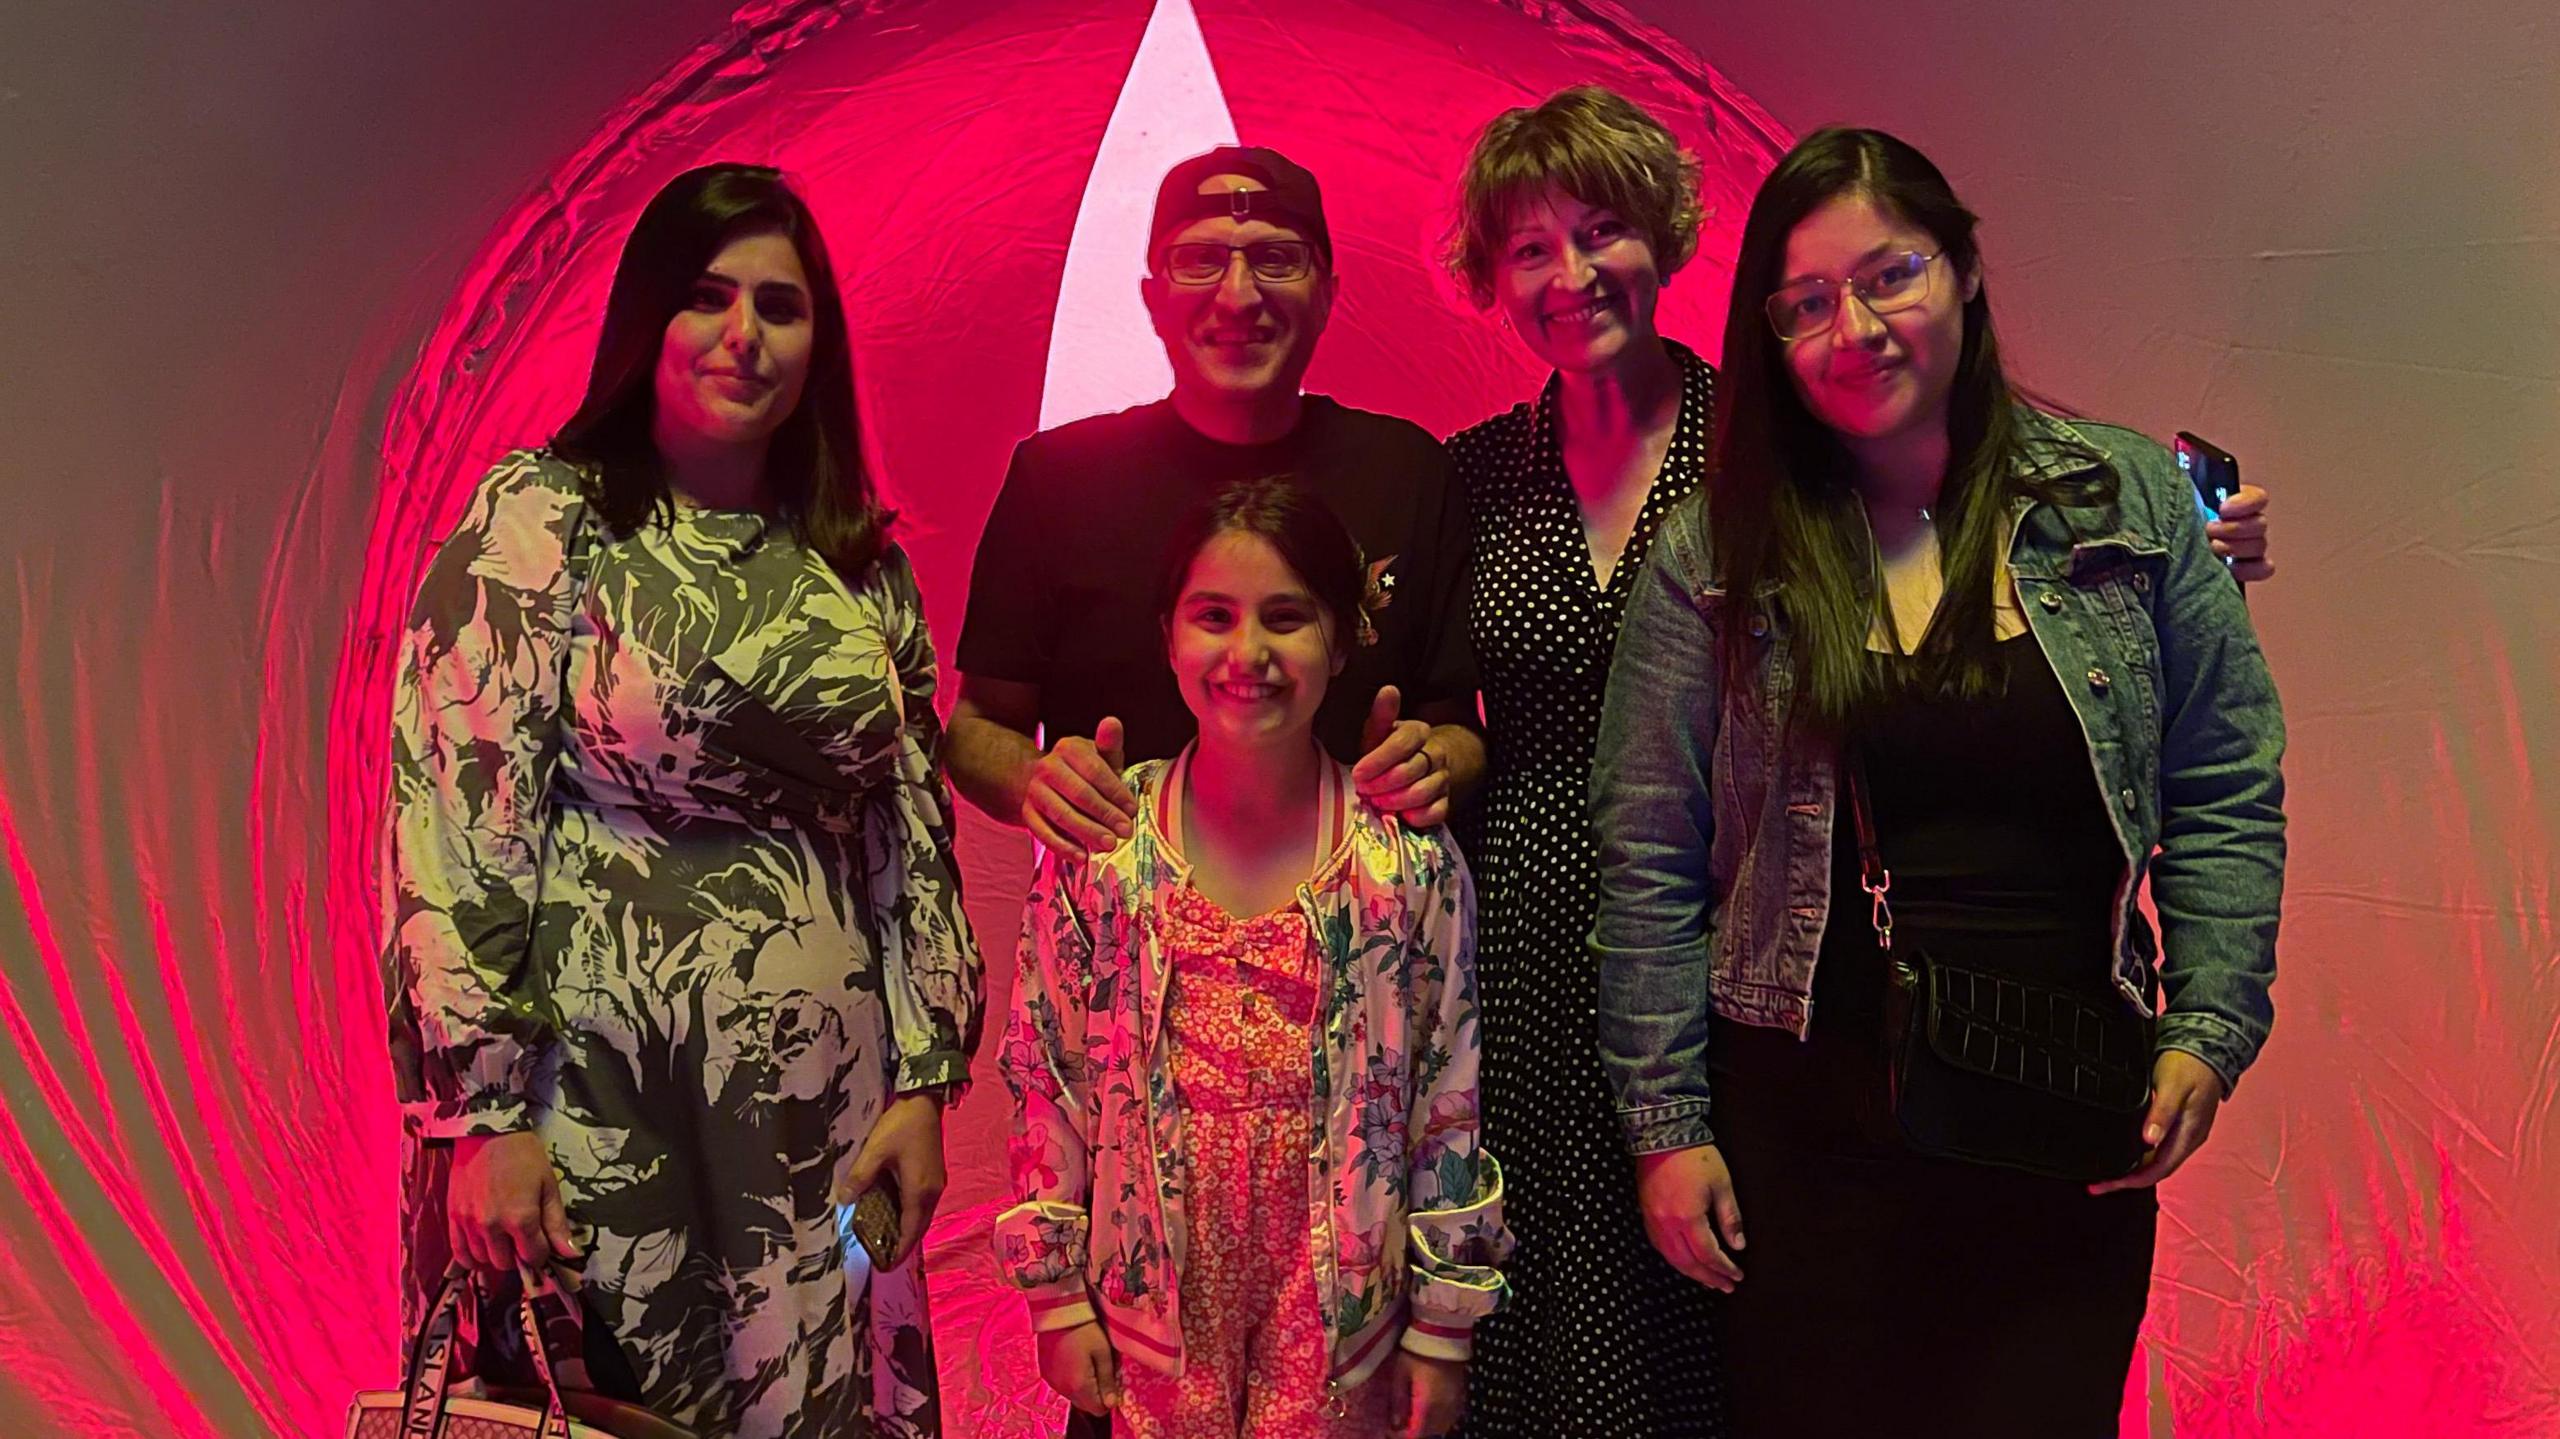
(670, 884)
(1402, 1218)
(1243, 999)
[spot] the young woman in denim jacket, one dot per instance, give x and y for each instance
(1243, 1048)
(2016, 626)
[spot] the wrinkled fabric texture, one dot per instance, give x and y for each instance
(670, 884)
(1404, 1202)
(1715, 808)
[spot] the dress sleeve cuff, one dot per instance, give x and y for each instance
(489, 1112)
(946, 1070)
(1040, 1249)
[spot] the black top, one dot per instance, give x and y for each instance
(1990, 817)
(1063, 592)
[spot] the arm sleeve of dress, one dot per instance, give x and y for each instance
(934, 978)
(476, 718)
(1454, 1188)
(1043, 1241)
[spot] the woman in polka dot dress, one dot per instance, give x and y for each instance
(1572, 215)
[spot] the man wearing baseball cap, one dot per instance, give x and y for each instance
(1061, 638)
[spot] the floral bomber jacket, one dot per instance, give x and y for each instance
(1405, 1205)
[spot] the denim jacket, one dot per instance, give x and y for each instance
(1406, 1207)
(1715, 809)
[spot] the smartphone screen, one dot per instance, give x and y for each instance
(2213, 471)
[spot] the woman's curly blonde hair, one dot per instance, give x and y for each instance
(1597, 146)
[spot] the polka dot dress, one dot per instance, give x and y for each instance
(1602, 1338)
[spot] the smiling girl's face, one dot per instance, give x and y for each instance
(1251, 646)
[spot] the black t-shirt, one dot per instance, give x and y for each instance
(1063, 592)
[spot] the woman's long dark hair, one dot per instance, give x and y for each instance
(1781, 509)
(814, 470)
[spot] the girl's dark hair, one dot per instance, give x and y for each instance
(1304, 529)
(1781, 510)
(814, 469)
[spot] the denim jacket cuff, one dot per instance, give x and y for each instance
(2211, 1039)
(1654, 1128)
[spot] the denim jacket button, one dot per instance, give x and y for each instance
(2127, 798)
(1759, 626)
(2141, 583)
(2098, 680)
(2049, 600)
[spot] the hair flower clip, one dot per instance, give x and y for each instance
(1377, 591)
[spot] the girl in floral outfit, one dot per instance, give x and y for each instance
(1243, 1048)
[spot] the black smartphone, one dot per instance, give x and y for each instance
(2211, 469)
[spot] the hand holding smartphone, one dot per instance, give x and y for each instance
(2213, 470)
(875, 1220)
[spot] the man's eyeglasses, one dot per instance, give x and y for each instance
(1884, 284)
(1205, 262)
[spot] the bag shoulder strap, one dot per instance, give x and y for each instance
(1873, 877)
(537, 1343)
(429, 1381)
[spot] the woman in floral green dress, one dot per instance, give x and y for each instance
(676, 955)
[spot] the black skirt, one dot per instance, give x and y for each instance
(1888, 1293)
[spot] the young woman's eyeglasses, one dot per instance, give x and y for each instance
(1884, 284)
(1205, 262)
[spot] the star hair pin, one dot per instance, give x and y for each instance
(1377, 591)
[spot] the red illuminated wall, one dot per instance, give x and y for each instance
(217, 536)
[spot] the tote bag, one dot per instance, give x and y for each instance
(427, 1406)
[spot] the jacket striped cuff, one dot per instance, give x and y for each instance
(1062, 1308)
(1452, 1342)
(1455, 1254)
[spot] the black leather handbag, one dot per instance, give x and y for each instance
(1993, 1069)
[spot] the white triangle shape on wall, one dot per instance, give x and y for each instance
(1103, 355)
